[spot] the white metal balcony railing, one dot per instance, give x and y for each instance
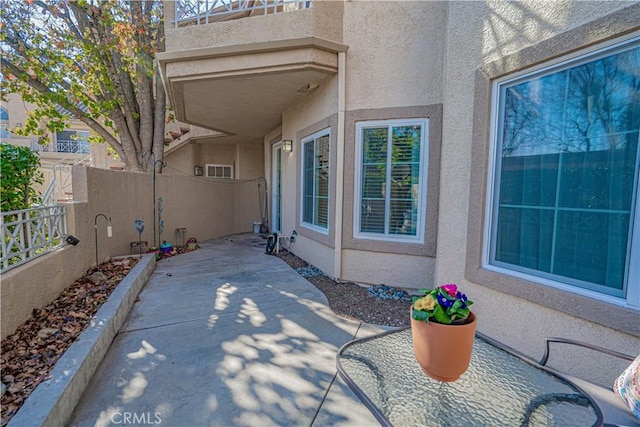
(30, 233)
(196, 12)
(62, 146)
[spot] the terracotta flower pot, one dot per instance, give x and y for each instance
(443, 351)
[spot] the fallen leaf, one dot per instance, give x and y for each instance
(78, 315)
(27, 359)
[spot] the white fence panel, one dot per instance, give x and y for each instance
(29, 233)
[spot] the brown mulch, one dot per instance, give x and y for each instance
(30, 353)
(353, 301)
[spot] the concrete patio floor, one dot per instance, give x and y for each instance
(226, 336)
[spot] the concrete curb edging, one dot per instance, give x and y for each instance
(53, 401)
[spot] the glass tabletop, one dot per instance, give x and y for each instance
(500, 388)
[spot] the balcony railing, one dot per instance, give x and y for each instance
(196, 12)
(62, 146)
(30, 233)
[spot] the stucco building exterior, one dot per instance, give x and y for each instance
(64, 149)
(474, 143)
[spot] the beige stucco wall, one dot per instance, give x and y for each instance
(206, 208)
(395, 53)
(313, 113)
(17, 110)
(375, 268)
(478, 33)
(247, 159)
(385, 67)
(182, 160)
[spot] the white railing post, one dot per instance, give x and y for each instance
(28, 242)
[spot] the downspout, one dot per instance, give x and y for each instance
(339, 206)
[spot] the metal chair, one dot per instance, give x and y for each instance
(614, 410)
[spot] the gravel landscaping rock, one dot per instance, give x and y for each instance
(352, 301)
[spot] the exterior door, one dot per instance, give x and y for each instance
(276, 188)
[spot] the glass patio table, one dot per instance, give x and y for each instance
(500, 388)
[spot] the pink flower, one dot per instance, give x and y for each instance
(450, 288)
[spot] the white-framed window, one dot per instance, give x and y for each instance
(72, 141)
(563, 194)
(390, 180)
(315, 181)
(219, 171)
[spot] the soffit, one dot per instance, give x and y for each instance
(244, 93)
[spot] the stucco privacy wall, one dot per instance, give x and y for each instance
(207, 208)
(478, 33)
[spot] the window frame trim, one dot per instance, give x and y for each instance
(305, 140)
(631, 299)
(423, 190)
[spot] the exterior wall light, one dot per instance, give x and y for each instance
(72, 240)
(197, 170)
(287, 145)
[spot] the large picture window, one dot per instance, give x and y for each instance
(391, 180)
(315, 181)
(565, 172)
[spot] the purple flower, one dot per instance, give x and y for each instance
(450, 288)
(444, 302)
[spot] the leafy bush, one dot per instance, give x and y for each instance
(18, 174)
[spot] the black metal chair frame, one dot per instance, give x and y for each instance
(550, 340)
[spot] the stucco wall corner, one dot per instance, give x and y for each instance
(478, 179)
